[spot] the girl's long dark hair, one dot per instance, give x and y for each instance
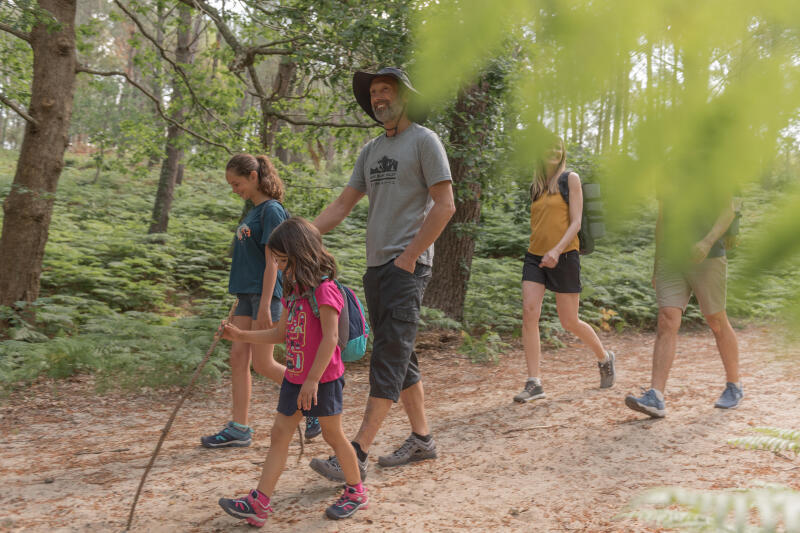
(268, 181)
(308, 260)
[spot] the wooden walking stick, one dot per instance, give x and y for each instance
(164, 431)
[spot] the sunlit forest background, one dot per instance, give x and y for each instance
(115, 253)
(117, 118)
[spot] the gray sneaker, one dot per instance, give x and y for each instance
(532, 391)
(731, 397)
(413, 449)
(331, 469)
(607, 373)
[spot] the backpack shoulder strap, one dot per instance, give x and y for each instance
(344, 315)
(563, 185)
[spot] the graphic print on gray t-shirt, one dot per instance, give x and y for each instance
(385, 170)
(396, 173)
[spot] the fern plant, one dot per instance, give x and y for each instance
(732, 509)
(483, 349)
(722, 510)
(772, 439)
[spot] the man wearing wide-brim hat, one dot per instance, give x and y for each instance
(406, 176)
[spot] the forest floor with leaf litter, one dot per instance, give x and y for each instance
(571, 462)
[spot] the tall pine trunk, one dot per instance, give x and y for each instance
(29, 205)
(455, 247)
(171, 165)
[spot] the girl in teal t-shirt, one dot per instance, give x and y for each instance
(257, 283)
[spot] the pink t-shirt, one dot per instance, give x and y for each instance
(304, 333)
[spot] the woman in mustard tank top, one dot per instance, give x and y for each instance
(553, 262)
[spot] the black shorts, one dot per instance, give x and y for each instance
(329, 398)
(394, 298)
(565, 277)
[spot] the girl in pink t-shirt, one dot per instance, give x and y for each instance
(313, 382)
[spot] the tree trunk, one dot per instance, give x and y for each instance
(598, 143)
(620, 99)
(605, 139)
(3, 129)
(281, 87)
(452, 263)
(29, 205)
(650, 95)
(168, 177)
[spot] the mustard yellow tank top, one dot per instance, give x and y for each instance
(549, 222)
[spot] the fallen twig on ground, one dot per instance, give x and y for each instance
(516, 430)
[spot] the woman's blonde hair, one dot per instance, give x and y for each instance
(541, 181)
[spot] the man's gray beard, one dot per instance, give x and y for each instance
(390, 113)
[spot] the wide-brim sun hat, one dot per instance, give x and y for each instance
(415, 111)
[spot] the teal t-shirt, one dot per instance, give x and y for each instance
(252, 235)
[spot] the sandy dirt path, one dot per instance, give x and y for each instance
(71, 461)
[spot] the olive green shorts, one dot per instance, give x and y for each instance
(707, 279)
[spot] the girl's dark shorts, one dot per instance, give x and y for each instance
(564, 277)
(248, 306)
(329, 398)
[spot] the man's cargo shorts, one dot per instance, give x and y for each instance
(394, 298)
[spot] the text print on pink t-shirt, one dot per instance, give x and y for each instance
(304, 334)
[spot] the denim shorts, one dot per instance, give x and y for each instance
(248, 306)
(329, 398)
(394, 298)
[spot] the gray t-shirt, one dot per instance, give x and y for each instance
(396, 173)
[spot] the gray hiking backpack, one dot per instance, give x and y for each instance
(592, 225)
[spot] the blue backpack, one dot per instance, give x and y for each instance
(353, 327)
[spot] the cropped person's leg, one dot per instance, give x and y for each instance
(241, 382)
(567, 306)
(281, 435)
(669, 322)
(532, 297)
(727, 344)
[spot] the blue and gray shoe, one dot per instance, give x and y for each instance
(648, 404)
(312, 427)
(731, 397)
(232, 435)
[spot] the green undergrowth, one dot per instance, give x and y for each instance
(140, 310)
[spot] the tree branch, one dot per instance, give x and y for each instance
(21, 112)
(174, 65)
(267, 48)
(15, 32)
(198, 31)
(244, 56)
(87, 70)
(303, 122)
(214, 15)
(251, 69)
